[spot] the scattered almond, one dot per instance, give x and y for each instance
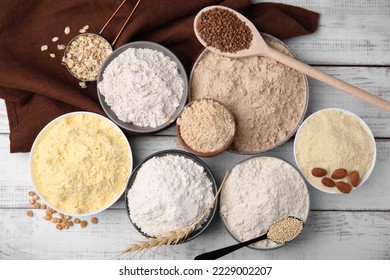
(94, 220)
(318, 172)
(29, 213)
(48, 217)
(354, 178)
(326, 181)
(83, 224)
(343, 187)
(59, 226)
(76, 221)
(339, 173)
(31, 193)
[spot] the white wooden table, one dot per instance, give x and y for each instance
(352, 43)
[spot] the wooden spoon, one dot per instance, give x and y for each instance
(260, 47)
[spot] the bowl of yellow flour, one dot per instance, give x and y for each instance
(335, 139)
(80, 163)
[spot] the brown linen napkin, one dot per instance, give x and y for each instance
(38, 88)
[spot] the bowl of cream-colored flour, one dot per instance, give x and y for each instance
(80, 163)
(168, 191)
(258, 192)
(335, 150)
(142, 86)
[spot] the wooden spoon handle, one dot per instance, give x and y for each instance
(328, 79)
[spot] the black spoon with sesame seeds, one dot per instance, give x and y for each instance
(224, 31)
(281, 232)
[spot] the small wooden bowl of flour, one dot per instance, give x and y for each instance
(206, 127)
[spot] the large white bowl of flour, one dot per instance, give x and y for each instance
(142, 86)
(80, 163)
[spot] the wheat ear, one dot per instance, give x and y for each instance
(176, 236)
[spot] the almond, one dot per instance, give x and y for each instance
(339, 173)
(344, 187)
(326, 181)
(318, 172)
(354, 178)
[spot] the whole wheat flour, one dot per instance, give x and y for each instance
(142, 86)
(267, 98)
(168, 193)
(260, 192)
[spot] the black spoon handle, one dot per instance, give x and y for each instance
(224, 251)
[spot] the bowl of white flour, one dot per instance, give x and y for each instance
(259, 192)
(142, 86)
(168, 191)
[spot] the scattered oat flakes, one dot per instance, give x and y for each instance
(82, 30)
(67, 30)
(44, 48)
(52, 55)
(83, 84)
(55, 39)
(61, 47)
(86, 27)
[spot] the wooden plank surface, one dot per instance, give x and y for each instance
(327, 235)
(352, 43)
(352, 32)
